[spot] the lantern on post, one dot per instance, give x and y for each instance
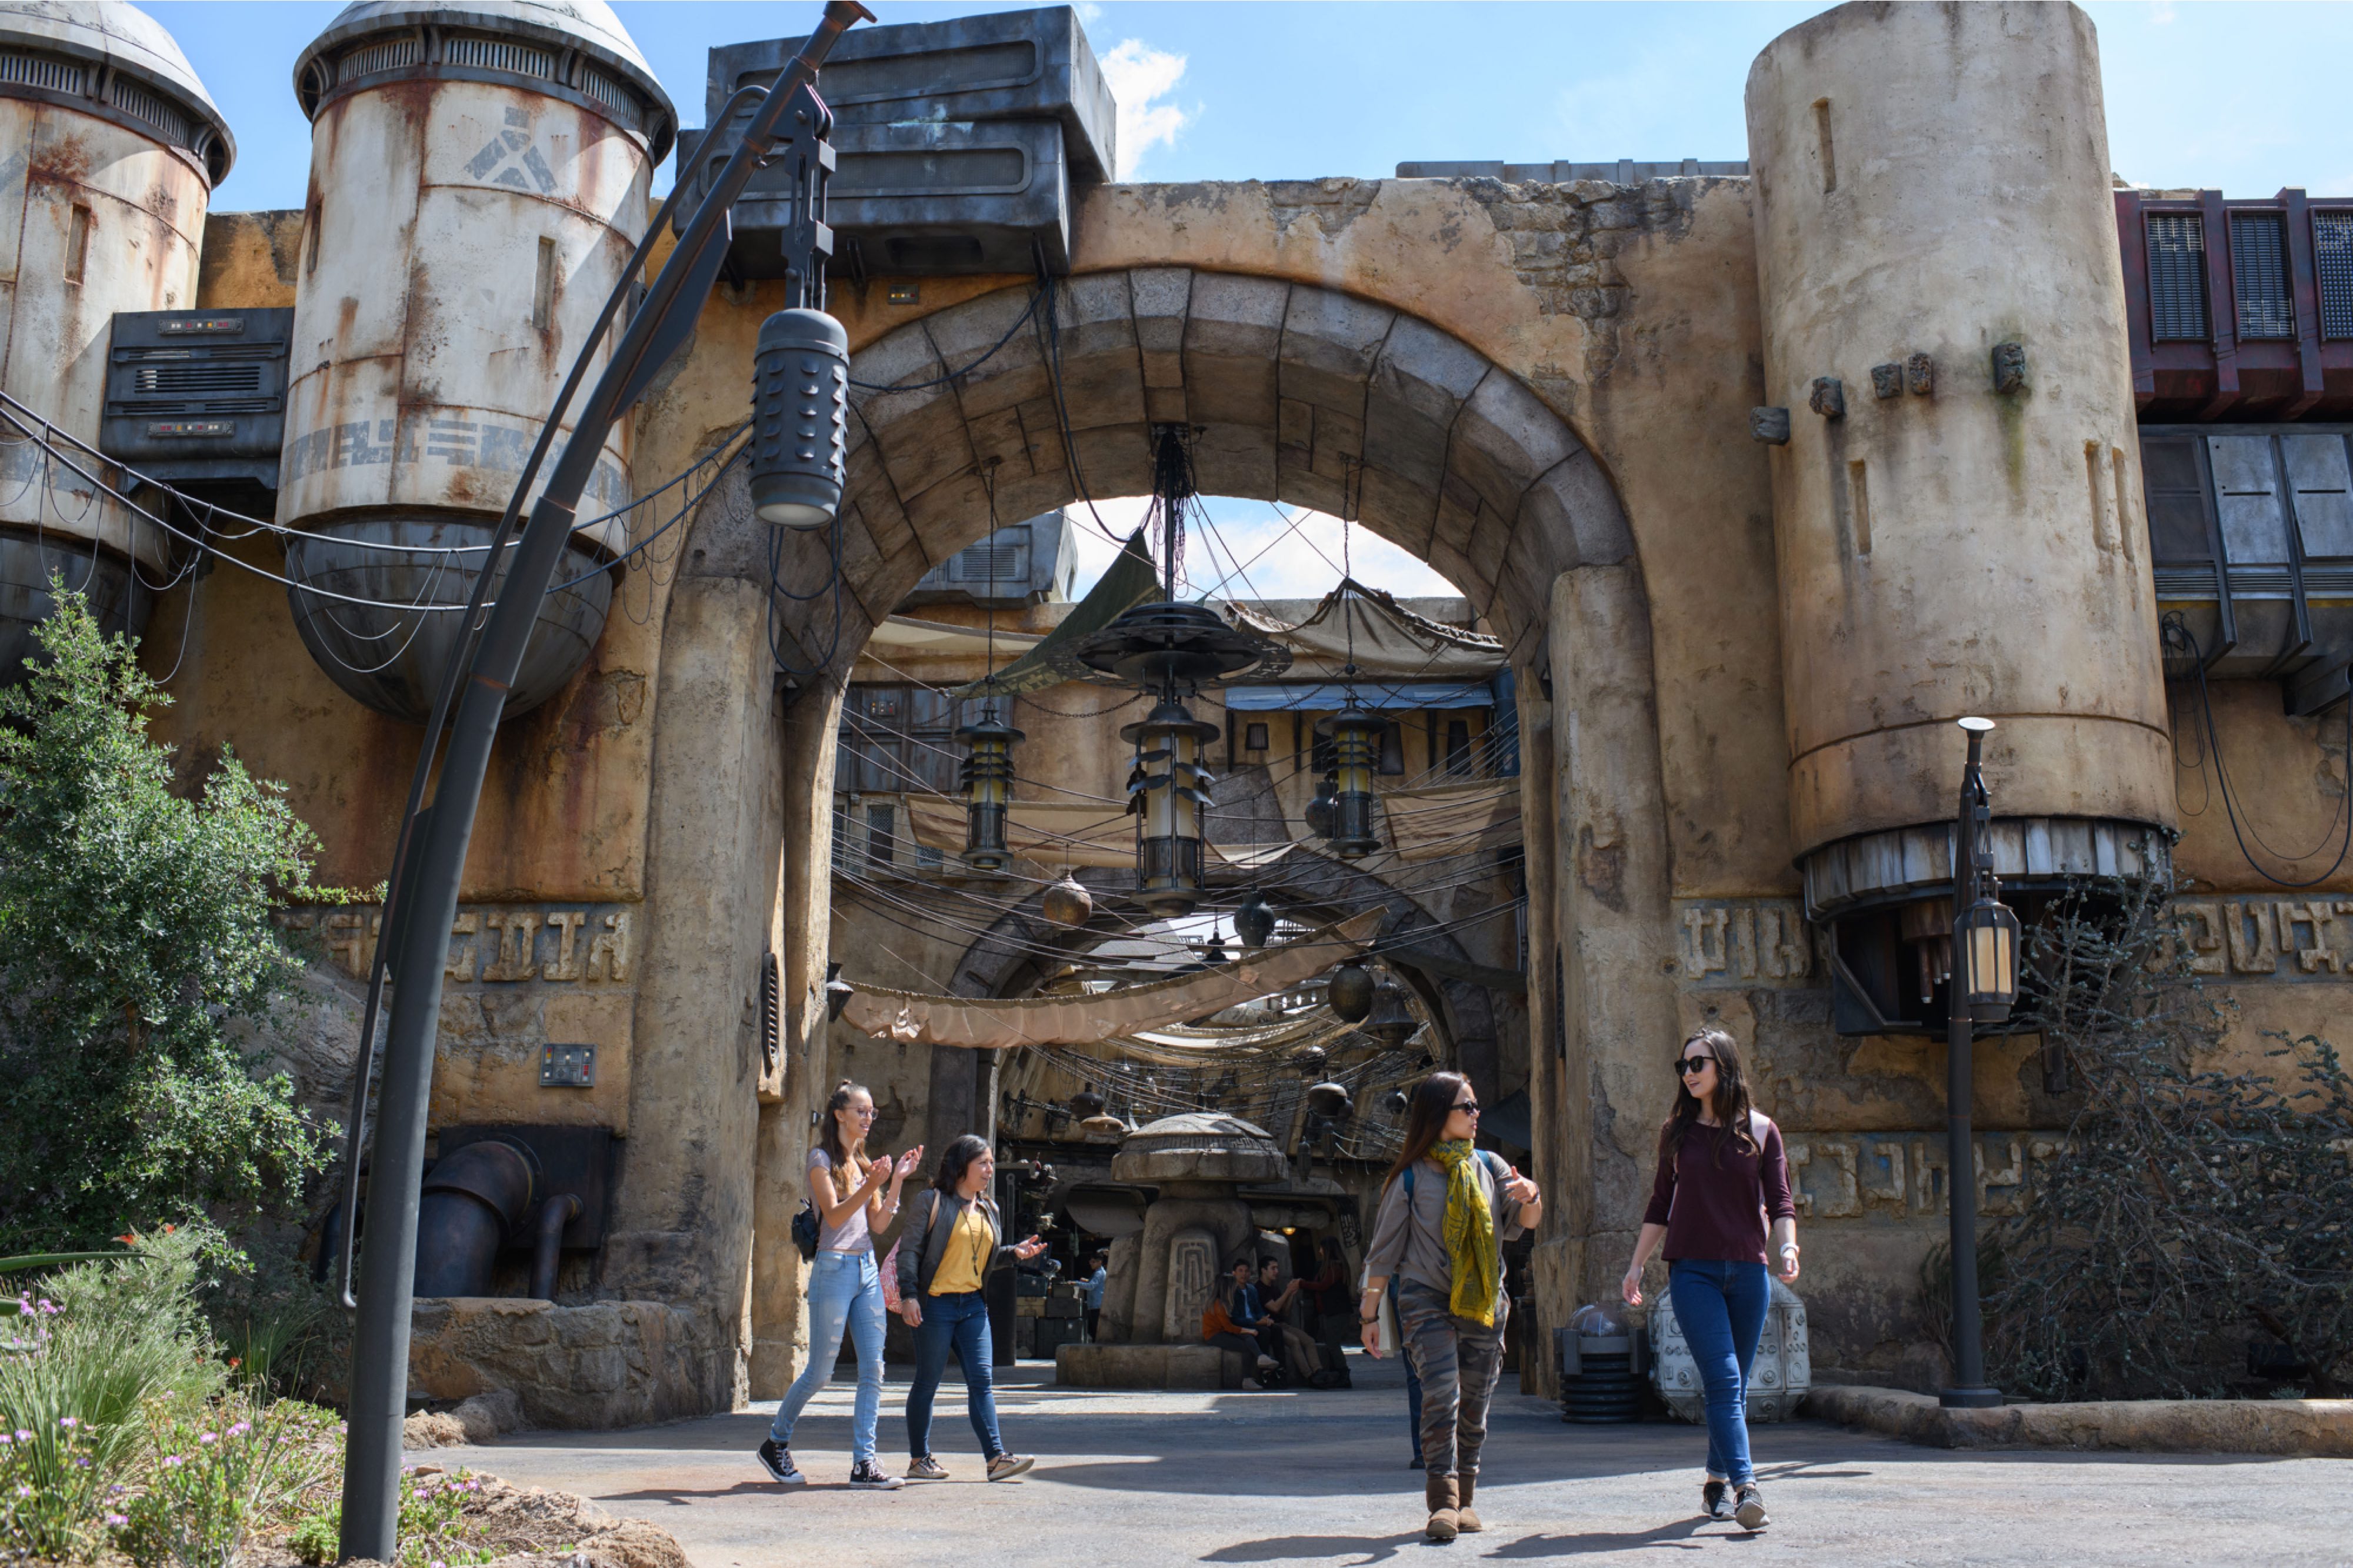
(988, 789)
(1167, 792)
(1989, 943)
(1356, 749)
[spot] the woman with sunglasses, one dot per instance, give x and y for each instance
(1721, 1174)
(845, 1289)
(1446, 1210)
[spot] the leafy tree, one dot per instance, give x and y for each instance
(135, 929)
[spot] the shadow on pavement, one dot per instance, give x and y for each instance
(1315, 1548)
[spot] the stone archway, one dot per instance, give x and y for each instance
(1290, 384)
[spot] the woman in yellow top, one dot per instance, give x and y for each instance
(954, 1231)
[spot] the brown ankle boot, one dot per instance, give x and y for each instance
(1443, 1523)
(1465, 1519)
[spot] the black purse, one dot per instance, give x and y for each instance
(805, 1231)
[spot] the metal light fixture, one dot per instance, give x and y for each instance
(1984, 987)
(1320, 809)
(1215, 953)
(1397, 1101)
(800, 409)
(1356, 749)
(838, 991)
(1392, 1023)
(1066, 903)
(1254, 922)
(1988, 944)
(1331, 1100)
(988, 789)
(1309, 1060)
(1350, 994)
(1167, 792)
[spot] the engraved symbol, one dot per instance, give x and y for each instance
(516, 160)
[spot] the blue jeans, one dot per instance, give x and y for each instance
(959, 1321)
(844, 1289)
(1412, 1382)
(1721, 1307)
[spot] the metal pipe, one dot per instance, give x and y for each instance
(379, 1381)
(547, 1247)
(1968, 1389)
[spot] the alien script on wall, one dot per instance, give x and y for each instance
(495, 943)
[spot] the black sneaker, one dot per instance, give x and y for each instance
(1751, 1510)
(1715, 1500)
(866, 1475)
(777, 1460)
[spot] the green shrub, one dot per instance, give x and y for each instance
(136, 932)
(223, 1470)
(433, 1529)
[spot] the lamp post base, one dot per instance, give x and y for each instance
(1973, 1396)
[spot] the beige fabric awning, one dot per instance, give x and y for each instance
(1062, 834)
(1451, 819)
(912, 1017)
(1384, 638)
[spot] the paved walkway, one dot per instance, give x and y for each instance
(1321, 1478)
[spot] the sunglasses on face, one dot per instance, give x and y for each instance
(1467, 1107)
(1686, 1065)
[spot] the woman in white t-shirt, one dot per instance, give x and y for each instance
(854, 1198)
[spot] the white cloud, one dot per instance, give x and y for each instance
(1090, 12)
(1138, 75)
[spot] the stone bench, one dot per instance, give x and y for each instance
(1195, 1366)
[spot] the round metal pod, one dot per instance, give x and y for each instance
(800, 407)
(1397, 1101)
(1254, 922)
(988, 790)
(1331, 1100)
(1392, 1022)
(1067, 904)
(1350, 992)
(1319, 810)
(1087, 1103)
(1310, 1059)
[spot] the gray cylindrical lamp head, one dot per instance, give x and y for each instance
(801, 410)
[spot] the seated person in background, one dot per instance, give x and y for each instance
(1219, 1327)
(1298, 1346)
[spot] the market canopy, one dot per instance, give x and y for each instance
(1386, 640)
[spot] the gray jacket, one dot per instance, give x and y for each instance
(926, 1240)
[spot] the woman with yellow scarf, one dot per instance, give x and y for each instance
(1446, 1211)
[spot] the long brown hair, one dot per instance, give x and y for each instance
(848, 1170)
(1430, 1104)
(1731, 1106)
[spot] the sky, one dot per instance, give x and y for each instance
(2236, 97)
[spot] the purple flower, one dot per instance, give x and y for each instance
(172, 1461)
(240, 1429)
(6, 1439)
(82, 1464)
(24, 1492)
(23, 1436)
(118, 1519)
(68, 1422)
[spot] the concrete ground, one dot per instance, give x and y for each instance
(1321, 1478)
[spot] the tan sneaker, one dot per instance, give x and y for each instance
(925, 1469)
(1006, 1466)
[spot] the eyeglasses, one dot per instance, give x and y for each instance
(863, 1113)
(1686, 1065)
(1467, 1107)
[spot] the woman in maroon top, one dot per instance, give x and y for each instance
(1722, 1173)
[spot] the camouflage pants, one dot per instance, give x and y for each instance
(1458, 1360)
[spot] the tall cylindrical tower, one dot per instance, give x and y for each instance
(479, 174)
(1958, 503)
(110, 148)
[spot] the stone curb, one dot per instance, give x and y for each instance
(2309, 1427)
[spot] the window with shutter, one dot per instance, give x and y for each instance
(2176, 277)
(2332, 247)
(2259, 274)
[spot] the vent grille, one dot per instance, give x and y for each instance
(1005, 562)
(2332, 244)
(41, 71)
(2259, 271)
(497, 54)
(382, 55)
(199, 377)
(141, 104)
(608, 91)
(2176, 277)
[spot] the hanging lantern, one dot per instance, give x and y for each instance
(1397, 1101)
(1319, 810)
(1066, 903)
(1331, 1100)
(1357, 752)
(1988, 939)
(1216, 951)
(1350, 994)
(988, 789)
(1086, 1103)
(1392, 1023)
(1254, 922)
(1309, 1060)
(1167, 790)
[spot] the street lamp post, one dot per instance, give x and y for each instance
(422, 899)
(1983, 987)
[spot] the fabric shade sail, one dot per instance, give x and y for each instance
(1451, 819)
(1385, 639)
(913, 1017)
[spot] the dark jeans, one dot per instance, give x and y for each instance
(1721, 1307)
(1412, 1383)
(1094, 1324)
(960, 1320)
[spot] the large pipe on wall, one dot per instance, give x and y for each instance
(1957, 503)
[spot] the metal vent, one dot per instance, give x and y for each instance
(2176, 277)
(2332, 246)
(615, 95)
(382, 55)
(997, 559)
(141, 104)
(497, 55)
(199, 377)
(2259, 269)
(42, 71)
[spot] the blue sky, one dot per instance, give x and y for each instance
(2240, 96)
